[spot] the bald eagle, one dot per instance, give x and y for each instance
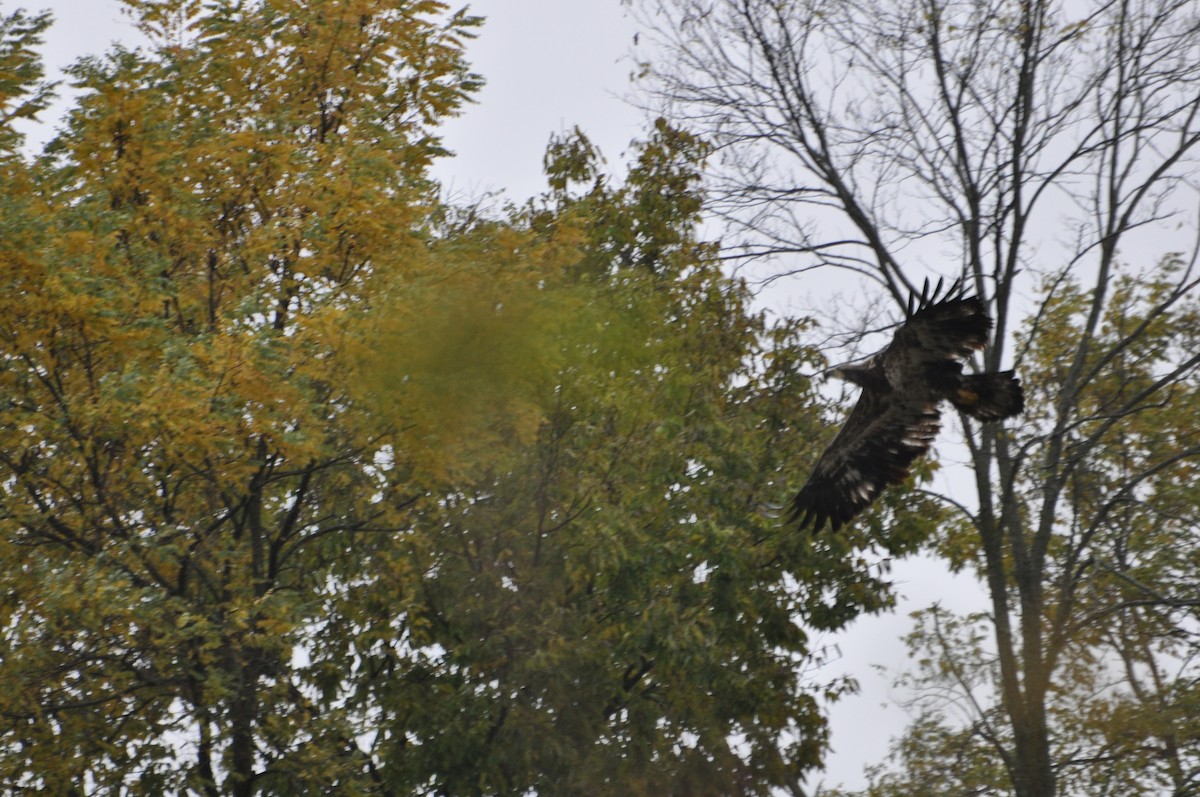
(897, 416)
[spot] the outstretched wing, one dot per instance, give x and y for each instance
(881, 438)
(936, 330)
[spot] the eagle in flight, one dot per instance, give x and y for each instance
(897, 416)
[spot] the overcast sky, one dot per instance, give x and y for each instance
(551, 65)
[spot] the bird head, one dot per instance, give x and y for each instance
(861, 374)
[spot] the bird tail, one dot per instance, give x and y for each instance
(989, 397)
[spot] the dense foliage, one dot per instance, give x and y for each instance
(309, 484)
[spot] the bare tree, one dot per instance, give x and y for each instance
(1034, 145)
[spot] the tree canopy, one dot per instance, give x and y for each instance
(310, 483)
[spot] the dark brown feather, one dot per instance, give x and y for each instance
(874, 449)
(896, 418)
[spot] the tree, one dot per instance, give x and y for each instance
(311, 484)
(1033, 141)
(604, 611)
(182, 466)
(1120, 707)
(23, 92)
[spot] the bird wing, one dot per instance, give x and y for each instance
(938, 330)
(883, 435)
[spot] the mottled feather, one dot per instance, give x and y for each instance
(897, 418)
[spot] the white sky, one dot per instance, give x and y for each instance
(551, 65)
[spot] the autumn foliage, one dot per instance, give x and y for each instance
(311, 484)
